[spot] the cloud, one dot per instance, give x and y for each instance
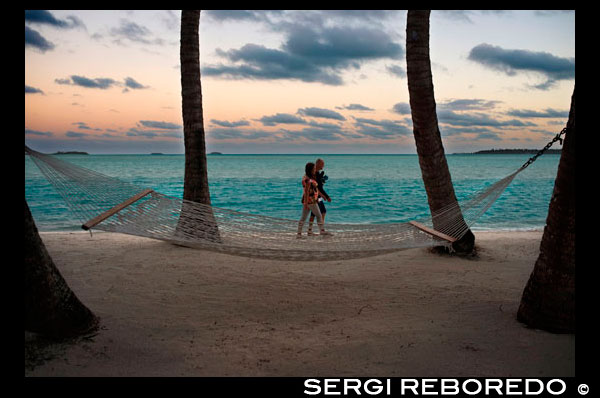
(133, 84)
(317, 52)
(314, 134)
(38, 133)
(381, 129)
(455, 15)
(281, 118)
(44, 17)
(134, 132)
(511, 62)
(75, 134)
(234, 15)
(459, 116)
(470, 134)
(102, 83)
(556, 122)
(152, 129)
(225, 123)
(131, 31)
(83, 126)
(490, 135)
(282, 19)
(170, 20)
(549, 13)
(263, 63)
(548, 113)
(465, 15)
(160, 125)
(321, 113)
(286, 118)
(314, 131)
(348, 16)
(376, 132)
(329, 126)
(476, 119)
(544, 132)
(474, 131)
(341, 46)
(355, 107)
(403, 108)
(236, 134)
(35, 40)
(396, 70)
(468, 104)
(386, 123)
(32, 90)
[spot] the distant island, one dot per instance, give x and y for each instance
(157, 153)
(70, 153)
(510, 152)
(215, 153)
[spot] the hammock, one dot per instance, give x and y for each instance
(109, 204)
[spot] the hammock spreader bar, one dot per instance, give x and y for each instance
(97, 220)
(432, 231)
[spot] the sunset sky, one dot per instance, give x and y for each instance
(294, 81)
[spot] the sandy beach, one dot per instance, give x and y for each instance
(171, 311)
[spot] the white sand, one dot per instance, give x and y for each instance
(172, 311)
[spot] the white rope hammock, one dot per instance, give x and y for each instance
(109, 204)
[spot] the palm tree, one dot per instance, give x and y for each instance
(195, 184)
(432, 160)
(548, 300)
(51, 307)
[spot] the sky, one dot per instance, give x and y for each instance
(299, 81)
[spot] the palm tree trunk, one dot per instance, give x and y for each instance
(548, 300)
(51, 307)
(195, 184)
(432, 159)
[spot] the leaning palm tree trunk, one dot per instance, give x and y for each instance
(548, 300)
(51, 307)
(432, 160)
(195, 185)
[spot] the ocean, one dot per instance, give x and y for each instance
(364, 188)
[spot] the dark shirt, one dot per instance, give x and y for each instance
(319, 178)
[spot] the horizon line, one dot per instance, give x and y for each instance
(214, 153)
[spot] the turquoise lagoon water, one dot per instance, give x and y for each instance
(363, 188)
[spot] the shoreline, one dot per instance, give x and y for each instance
(482, 152)
(473, 229)
(167, 310)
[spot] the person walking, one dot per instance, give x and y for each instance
(321, 179)
(310, 198)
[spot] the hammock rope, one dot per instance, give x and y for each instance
(110, 204)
